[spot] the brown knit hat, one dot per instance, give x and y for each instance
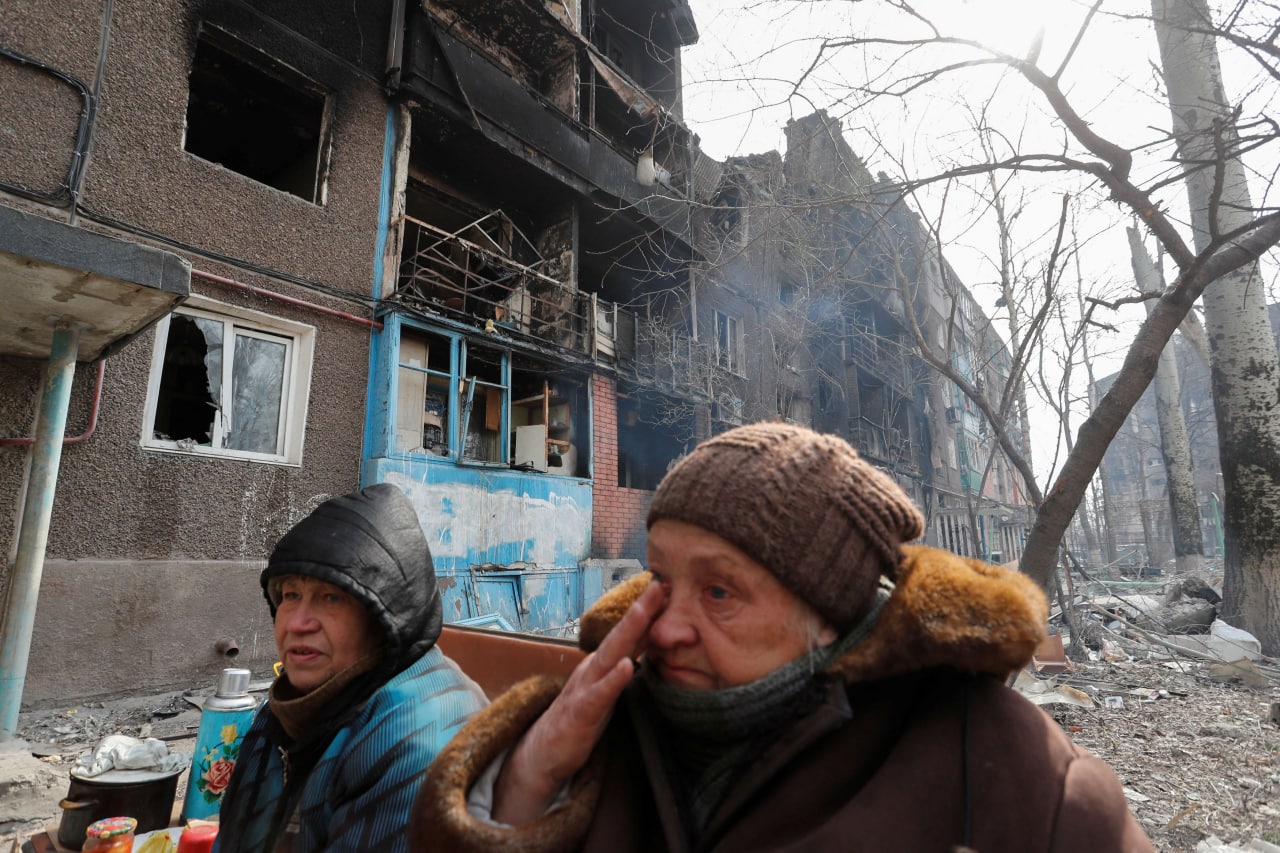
(804, 505)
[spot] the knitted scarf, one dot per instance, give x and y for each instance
(295, 711)
(712, 734)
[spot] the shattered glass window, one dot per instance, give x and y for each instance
(257, 387)
(483, 404)
(205, 400)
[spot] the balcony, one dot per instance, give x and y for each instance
(477, 279)
(885, 358)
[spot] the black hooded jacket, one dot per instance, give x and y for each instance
(348, 782)
(369, 544)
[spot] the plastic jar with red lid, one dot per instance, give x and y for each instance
(110, 835)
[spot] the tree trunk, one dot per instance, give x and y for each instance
(1108, 516)
(1245, 366)
(1184, 510)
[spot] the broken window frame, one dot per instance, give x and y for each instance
(237, 325)
(474, 393)
(647, 447)
(273, 73)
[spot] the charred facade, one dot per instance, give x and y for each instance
(467, 248)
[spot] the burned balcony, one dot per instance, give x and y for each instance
(886, 357)
(654, 352)
(473, 274)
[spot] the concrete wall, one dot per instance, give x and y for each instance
(108, 628)
(151, 552)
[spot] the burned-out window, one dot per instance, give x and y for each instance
(550, 420)
(256, 117)
(476, 403)
(482, 402)
(788, 292)
(229, 384)
(727, 216)
(649, 440)
(423, 423)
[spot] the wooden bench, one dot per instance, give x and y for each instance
(496, 660)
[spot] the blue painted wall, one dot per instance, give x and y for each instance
(503, 541)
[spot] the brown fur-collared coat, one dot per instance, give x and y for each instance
(918, 746)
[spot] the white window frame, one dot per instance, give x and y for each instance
(728, 328)
(294, 395)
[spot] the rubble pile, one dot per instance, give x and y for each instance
(31, 788)
(1184, 707)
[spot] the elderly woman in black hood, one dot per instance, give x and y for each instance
(365, 699)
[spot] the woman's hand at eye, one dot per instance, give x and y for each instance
(561, 740)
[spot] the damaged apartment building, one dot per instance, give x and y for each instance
(255, 254)
(547, 178)
(810, 278)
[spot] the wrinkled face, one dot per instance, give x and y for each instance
(727, 620)
(320, 630)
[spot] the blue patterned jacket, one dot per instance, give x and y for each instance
(349, 782)
(360, 792)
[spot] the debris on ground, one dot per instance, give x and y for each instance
(34, 780)
(1183, 707)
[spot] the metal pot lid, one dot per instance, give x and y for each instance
(126, 777)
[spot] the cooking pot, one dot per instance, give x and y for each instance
(145, 795)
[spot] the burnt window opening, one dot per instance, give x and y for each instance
(828, 395)
(475, 403)
(727, 213)
(265, 125)
(649, 440)
(788, 293)
(728, 342)
(549, 420)
(612, 47)
(423, 423)
(482, 402)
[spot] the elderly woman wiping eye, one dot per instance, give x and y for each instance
(789, 676)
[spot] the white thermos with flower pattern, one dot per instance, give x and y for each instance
(224, 718)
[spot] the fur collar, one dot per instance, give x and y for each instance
(946, 611)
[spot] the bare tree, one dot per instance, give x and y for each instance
(1184, 510)
(1245, 365)
(1123, 168)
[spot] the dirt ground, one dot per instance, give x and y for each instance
(1199, 760)
(58, 736)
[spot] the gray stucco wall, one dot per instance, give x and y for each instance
(148, 550)
(160, 619)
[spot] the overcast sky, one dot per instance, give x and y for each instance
(740, 91)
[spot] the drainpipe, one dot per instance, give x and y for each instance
(94, 408)
(33, 535)
(288, 300)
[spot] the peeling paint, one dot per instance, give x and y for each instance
(476, 523)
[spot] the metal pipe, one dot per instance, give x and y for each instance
(33, 535)
(93, 416)
(280, 297)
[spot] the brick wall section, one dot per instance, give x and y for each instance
(617, 523)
